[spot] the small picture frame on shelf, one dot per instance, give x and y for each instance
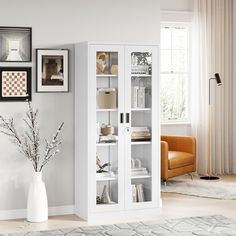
(15, 84)
(16, 44)
(52, 70)
(107, 63)
(141, 63)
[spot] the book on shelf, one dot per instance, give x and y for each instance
(134, 193)
(134, 94)
(141, 138)
(140, 69)
(108, 138)
(138, 96)
(137, 193)
(139, 128)
(143, 171)
(141, 97)
(140, 193)
(140, 134)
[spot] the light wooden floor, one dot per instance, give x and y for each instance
(174, 206)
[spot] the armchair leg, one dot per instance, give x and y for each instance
(191, 175)
(164, 181)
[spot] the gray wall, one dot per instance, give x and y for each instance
(176, 5)
(61, 24)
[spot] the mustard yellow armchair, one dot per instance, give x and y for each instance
(178, 156)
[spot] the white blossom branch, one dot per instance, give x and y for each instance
(29, 142)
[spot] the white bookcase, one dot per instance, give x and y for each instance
(117, 87)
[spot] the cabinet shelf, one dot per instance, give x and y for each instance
(106, 144)
(141, 75)
(106, 75)
(114, 178)
(140, 176)
(105, 204)
(141, 109)
(141, 143)
(103, 110)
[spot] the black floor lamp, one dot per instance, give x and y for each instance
(210, 176)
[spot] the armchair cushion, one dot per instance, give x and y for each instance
(179, 159)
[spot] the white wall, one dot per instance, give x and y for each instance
(60, 24)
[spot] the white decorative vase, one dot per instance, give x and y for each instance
(37, 204)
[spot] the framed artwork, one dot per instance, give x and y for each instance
(52, 70)
(15, 83)
(16, 44)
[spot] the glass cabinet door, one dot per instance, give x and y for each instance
(139, 92)
(109, 105)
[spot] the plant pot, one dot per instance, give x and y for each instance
(37, 204)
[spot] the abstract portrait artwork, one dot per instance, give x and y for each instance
(15, 83)
(16, 45)
(52, 70)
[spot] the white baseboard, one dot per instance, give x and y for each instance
(12, 214)
(21, 213)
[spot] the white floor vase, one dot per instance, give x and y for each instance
(37, 204)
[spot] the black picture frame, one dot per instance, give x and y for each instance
(16, 44)
(10, 78)
(57, 82)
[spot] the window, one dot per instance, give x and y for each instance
(175, 73)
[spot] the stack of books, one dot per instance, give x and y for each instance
(108, 138)
(140, 134)
(138, 97)
(140, 69)
(137, 193)
(139, 171)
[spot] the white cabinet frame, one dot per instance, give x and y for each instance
(85, 133)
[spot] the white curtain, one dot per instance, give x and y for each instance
(212, 52)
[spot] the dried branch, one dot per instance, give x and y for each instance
(29, 142)
(51, 146)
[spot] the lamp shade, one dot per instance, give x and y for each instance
(218, 80)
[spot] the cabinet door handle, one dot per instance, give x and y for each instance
(121, 118)
(127, 117)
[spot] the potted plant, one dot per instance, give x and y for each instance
(28, 143)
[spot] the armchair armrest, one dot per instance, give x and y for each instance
(181, 143)
(164, 160)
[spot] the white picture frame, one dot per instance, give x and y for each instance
(52, 70)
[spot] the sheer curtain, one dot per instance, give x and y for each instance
(212, 52)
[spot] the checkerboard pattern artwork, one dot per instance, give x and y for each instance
(14, 83)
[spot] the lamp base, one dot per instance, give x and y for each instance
(209, 177)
